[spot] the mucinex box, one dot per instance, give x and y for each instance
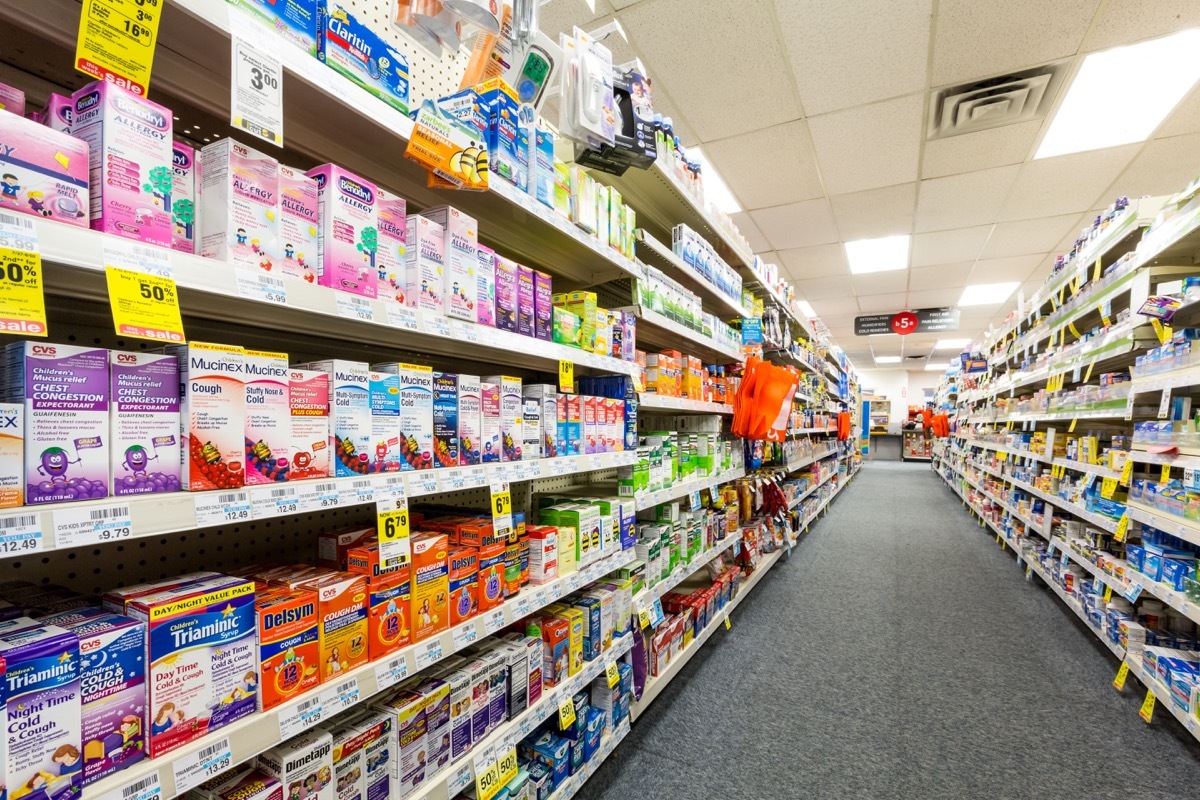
(211, 414)
(308, 399)
(268, 417)
(470, 420)
(416, 413)
(385, 422)
(350, 415)
(511, 419)
(445, 419)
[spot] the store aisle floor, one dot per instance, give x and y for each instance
(899, 653)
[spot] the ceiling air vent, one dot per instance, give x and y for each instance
(994, 102)
(915, 358)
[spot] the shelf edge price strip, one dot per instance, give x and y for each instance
(74, 527)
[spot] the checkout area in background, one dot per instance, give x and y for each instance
(909, 440)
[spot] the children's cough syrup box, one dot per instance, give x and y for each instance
(129, 149)
(303, 765)
(202, 662)
(43, 172)
(445, 419)
(144, 446)
(350, 415)
(348, 234)
(342, 621)
(212, 414)
(308, 398)
(430, 585)
(289, 652)
(385, 422)
(297, 224)
(65, 393)
(416, 414)
(268, 417)
(470, 420)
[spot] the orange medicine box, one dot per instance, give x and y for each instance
(364, 560)
(289, 649)
(333, 547)
(431, 586)
(390, 621)
(478, 533)
(342, 614)
(491, 576)
(464, 584)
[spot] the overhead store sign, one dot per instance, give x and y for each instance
(923, 320)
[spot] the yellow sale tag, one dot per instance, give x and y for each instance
(1108, 488)
(566, 376)
(1122, 674)
(487, 781)
(22, 300)
(1071, 428)
(1122, 528)
(144, 306)
(566, 713)
(502, 521)
(1147, 710)
(728, 624)
(508, 766)
(1165, 475)
(1088, 376)
(611, 674)
(1127, 472)
(644, 618)
(1096, 270)
(1160, 330)
(1074, 332)
(1107, 593)
(116, 41)
(392, 526)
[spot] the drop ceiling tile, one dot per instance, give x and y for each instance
(819, 261)
(1028, 236)
(934, 298)
(797, 224)
(1000, 270)
(747, 228)
(939, 277)
(821, 288)
(563, 16)
(971, 152)
(1065, 184)
(1162, 167)
(1184, 119)
(1127, 21)
(832, 309)
(869, 146)
(720, 102)
(880, 282)
(960, 201)
(875, 212)
(946, 247)
(847, 54)
(879, 303)
(788, 176)
(979, 40)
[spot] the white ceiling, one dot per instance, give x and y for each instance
(813, 112)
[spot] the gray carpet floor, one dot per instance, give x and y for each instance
(899, 653)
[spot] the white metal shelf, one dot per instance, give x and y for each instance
(1162, 695)
(661, 331)
(1184, 528)
(571, 786)
(646, 500)
(647, 596)
(649, 401)
(1074, 605)
(657, 254)
(796, 501)
(801, 464)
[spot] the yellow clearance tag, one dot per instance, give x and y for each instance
(116, 41)
(144, 306)
(1147, 710)
(22, 300)
(566, 713)
(1108, 487)
(1107, 593)
(1071, 429)
(1088, 376)
(1122, 528)
(1127, 472)
(508, 766)
(1122, 674)
(1165, 475)
(728, 624)
(611, 674)
(644, 618)
(487, 781)
(566, 376)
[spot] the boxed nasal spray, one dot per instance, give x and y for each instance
(212, 414)
(268, 417)
(350, 417)
(308, 399)
(347, 237)
(144, 445)
(239, 204)
(298, 221)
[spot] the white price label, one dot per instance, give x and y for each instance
(387, 486)
(460, 780)
(464, 635)
(128, 254)
(145, 787)
(523, 607)
(351, 306)
(300, 717)
(594, 463)
(18, 232)
(389, 673)
(428, 654)
(194, 769)
(465, 331)
(256, 91)
(260, 286)
(74, 527)
(451, 480)
(493, 621)
(339, 697)
(360, 491)
(21, 534)
(1164, 404)
(274, 501)
(221, 508)
(437, 325)
(317, 496)
(422, 482)
(400, 317)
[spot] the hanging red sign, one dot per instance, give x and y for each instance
(904, 323)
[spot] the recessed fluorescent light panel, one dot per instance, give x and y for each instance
(715, 190)
(877, 255)
(951, 344)
(1121, 95)
(931, 367)
(987, 294)
(887, 359)
(806, 309)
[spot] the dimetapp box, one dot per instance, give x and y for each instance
(12, 455)
(348, 234)
(308, 400)
(511, 416)
(341, 620)
(348, 762)
(461, 258)
(425, 256)
(298, 221)
(430, 585)
(385, 422)
(212, 414)
(470, 420)
(350, 414)
(289, 651)
(268, 417)
(201, 657)
(129, 150)
(65, 393)
(445, 419)
(144, 445)
(416, 414)
(184, 193)
(239, 204)
(303, 765)
(392, 258)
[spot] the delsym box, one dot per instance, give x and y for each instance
(288, 650)
(416, 414)
(212, 415)
(385, 422)
(356, 51)
(461, 259)
(308, 399)
(295, 20)
(298, 220)
(129, 149)
(348, 234)
(425, 253)
(392, 257)
(470, 420)
(65, 393)
(445, 419)
(43, 172)
(112, 674)
(144, 446)
(42, 695)
(350, 418)
(202, 659)
(485, 287)
(183, 201)
(268, 417)
(239, 205)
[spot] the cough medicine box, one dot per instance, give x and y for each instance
(112, 692)
(445, 419)
(430, 585)
(184, 194)
(348, 764)
(525, 303)
(201, 659)
(416, 414)
(506, 294)
(511, 416)
(461, 248)
(289, 652)
(303, 765)
(65, 393)
(470, 420)
(392, 257)
(350, 417)
(268, 417)
(144, 445)
(12, 455)
(489, 431)
(390, 613)
(298, 221)
(239, 205)
(385, 422)
(464, 584)
(42, 694)
(425, 253)
(295, 20)
(212, 414)
(356, 51)
(129, 150)
(342, 622)
(347, 236)
(308, 400)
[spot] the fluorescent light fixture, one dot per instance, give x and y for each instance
(1121, 95)
(887, 359)
(877, 255)
(715, 190)
(987, 294)
(951, 344)
(806, 309)
(936, 366)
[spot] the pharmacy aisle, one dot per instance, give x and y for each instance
(897, 655)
